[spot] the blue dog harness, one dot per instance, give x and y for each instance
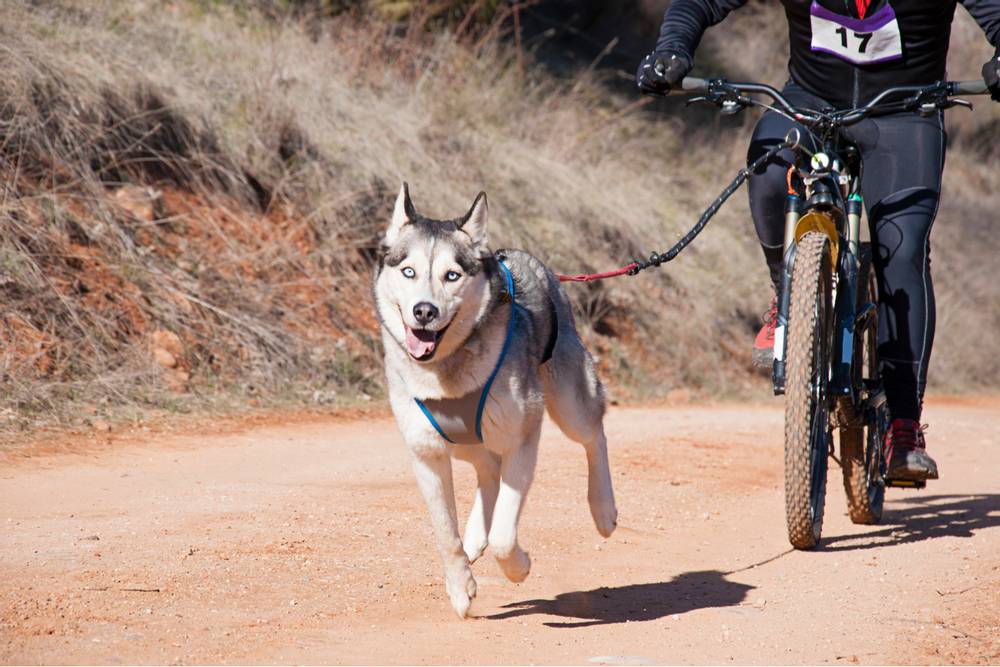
(463, 416)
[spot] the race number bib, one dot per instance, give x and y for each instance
(865, 41)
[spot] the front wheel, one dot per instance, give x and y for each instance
(807, 412)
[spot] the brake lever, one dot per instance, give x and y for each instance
(727, 104)
(701, 99)
(929, 102)
(955, 102)
(928, 109)
(713, 99)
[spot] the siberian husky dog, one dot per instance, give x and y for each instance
(477, 346)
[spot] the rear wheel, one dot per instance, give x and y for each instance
(861, 440)
(807, 412)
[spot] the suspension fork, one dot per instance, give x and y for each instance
(841, 382)
(793, 211)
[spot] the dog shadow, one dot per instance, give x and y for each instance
(921, 518)
(637, 602)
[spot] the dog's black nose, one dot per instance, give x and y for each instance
(425, 312)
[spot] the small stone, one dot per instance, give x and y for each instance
(167, 340)
(102, 426)
(140, 202)
(164, 358)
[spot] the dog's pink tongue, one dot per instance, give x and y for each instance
(420, 343)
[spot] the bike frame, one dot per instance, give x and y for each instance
(827, 393)
(832, 205)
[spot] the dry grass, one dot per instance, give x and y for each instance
(273, 148)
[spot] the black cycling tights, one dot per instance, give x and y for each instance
(903, 156)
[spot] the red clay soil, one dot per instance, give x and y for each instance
(306, 542)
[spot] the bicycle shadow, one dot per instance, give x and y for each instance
(636, 602)
(920, 518)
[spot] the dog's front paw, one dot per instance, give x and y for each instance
(474, 546)
(461, 587)
(516, 566)
(605, 515)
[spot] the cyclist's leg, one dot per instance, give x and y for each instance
(902, 185)
(767, 190)
(767, 186)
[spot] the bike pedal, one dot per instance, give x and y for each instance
(906, 483)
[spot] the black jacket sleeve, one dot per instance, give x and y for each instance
(686, 21)
(987, 15)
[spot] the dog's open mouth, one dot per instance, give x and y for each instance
(422, 343)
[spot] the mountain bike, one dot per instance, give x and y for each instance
(825, 343)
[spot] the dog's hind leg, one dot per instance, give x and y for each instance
(517, 469)
(433, 472)
(575, 400)
(487, 465)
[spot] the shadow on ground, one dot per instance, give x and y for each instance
(636, 602)
(921, 518)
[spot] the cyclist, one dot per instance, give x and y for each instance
(842, 54)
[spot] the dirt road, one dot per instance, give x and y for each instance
(307, 542)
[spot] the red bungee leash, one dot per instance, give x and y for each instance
(587, 277)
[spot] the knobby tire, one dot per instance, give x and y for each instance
(807, 418)
(861, 439)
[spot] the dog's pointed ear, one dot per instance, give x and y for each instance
(402, 214)
(475, 221)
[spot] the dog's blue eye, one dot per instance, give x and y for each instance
(452, 276)
(409, 272)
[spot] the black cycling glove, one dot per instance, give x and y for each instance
(991, 75)
(658, 73)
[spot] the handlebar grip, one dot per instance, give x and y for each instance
(969, 87)
(693, 84)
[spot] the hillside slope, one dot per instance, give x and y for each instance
(193, 195)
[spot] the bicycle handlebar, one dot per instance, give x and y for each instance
(693, 84)
(935, 94)
(969, 87)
